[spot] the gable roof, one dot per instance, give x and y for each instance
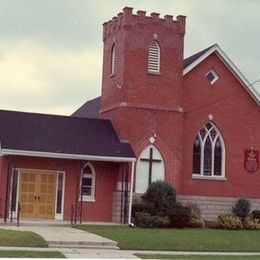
(61, 137)
(201, 56)
(91, 108)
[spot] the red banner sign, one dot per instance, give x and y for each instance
(251, 162)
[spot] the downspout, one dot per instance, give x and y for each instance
(131, 193)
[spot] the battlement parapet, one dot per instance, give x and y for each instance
(128, 19)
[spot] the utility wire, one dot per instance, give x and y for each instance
(221, 99)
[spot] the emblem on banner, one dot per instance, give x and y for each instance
(251, 162)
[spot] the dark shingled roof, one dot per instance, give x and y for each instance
(60, 134)
(194, 57)
(91, 108)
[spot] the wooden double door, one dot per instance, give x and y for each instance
(37, 193)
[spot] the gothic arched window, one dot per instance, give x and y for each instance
(149, 168)
(154, 57)
(209, 152)
(88, 178)
(113, 60)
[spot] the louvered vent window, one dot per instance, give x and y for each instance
(154, 57)
(113, 60)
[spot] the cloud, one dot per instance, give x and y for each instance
(51, 50)
(37, 77)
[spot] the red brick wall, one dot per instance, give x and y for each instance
(145, 104)
(99, 210)
(236, 116)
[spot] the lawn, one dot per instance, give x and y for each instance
(208, 257)
(21, 238)
(30, 254)
(179, 239)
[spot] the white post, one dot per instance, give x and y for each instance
(131, 193)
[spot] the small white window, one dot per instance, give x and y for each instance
(212, 76)
(113, 60)
(87, 183)
(154, 57)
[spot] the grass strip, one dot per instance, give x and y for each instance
(21, 238)
(208, 240)
(30, 254)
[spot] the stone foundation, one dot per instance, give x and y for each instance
(120, 207)
(211, 207)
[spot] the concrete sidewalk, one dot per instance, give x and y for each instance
(68, 237)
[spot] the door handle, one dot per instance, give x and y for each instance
(38, 198)
(35, 198)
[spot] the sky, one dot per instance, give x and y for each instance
(51, 50)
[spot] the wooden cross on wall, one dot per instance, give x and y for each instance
(150, 160)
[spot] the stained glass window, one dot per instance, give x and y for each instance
(209, 152)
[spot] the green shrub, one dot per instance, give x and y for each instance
(196, 220)
(251, 223)
(180, 216)
(228, 221)
(147, 220)
(256, 214)
(141, 207)
(162, 196)
(241, 208)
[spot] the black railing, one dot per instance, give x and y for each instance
(72, 213)
(75, 214)
(18, 213)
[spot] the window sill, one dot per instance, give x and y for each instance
(209, 178)
(87, 200)
(154, 73)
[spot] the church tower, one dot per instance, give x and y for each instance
(142, 90)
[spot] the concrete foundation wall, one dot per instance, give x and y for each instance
(211, 207)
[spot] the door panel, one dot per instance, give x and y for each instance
(37, 193)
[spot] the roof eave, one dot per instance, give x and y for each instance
(66, 156)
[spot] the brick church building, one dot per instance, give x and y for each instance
(193, 122)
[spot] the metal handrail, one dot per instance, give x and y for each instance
(18, 213)
(72, 212)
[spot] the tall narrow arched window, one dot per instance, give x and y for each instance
(88, 179)
(113, 60)
(209, 152)
(149, 168)
(154, 57)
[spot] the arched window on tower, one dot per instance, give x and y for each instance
(154, 57)
(209, 153)
(88, 179)
(113, 60)
(149, 168)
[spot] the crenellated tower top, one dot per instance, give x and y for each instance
(128, 19)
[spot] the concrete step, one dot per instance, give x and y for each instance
(87, 245)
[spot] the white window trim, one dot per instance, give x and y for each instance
(223, 155)
(113, 60)
(60, 215)
(89, 198)
(216, 77)
(154, 62)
